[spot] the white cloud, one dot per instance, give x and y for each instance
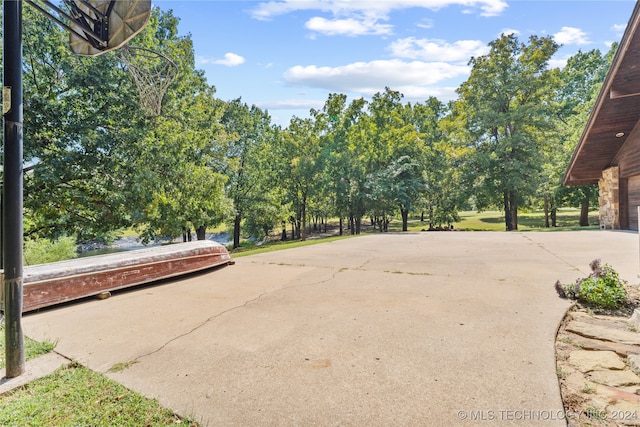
(437, 50)
(558, 62)
(348, 26)
(292, 104)
(229, 60)
(371, 77)
(267, 10)
(425, 23)
(357, 18)
(422, 93)
(571, 35)
(619, 29)
(508, 31)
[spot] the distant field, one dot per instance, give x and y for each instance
(567, 219)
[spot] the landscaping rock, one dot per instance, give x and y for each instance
(587, 360)
(614, 394)
(624, 413)
(597, 391)
(634, 320)
(585, 343)
(614, 378)
(603, 333)
(634, 363)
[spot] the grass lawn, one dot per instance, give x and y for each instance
(278, 245)
(567, 219)
(32, 348)
(76, 396)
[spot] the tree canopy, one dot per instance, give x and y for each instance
(95, 162)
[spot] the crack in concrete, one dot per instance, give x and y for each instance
(541, 246)
(246, 303)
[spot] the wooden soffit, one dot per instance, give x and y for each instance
(615, 113)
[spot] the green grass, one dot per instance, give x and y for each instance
(567, 219)
(277, 246)
(76, 396)
(32, 349)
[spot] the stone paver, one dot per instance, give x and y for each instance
(614, 378)
(587, 360)
(603, 333)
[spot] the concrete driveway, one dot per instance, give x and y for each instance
(449, 328)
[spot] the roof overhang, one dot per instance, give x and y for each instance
(615, 113)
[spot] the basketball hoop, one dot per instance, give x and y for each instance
(152, 72)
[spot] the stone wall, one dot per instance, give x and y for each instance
(609, 199)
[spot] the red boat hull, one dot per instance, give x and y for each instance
(50, 284)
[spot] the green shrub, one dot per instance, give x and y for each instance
(42, 251)
(603, 288)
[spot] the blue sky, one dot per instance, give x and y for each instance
(287, 56)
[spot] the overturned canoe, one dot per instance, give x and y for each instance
(55, 283)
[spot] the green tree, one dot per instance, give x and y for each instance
(398, 155)
(581, 79)
(78, 114)
(507, 102)
(301, 149)
(249, 130)
(346, 158)
(175, 184)
(443, 193)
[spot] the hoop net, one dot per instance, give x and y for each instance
(152, 72)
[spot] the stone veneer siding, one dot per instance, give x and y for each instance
(609, 198)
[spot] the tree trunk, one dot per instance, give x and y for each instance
(514, 210)
(352, 224)
(507, 211)
(405, 219)
(201, 232)
(546, 211)
(584, 212)
(303, 214)
(358, 223)
(341, 226)
(283, 237)
(236, 231)
(431, 217)
(510, 211)
(554, 216)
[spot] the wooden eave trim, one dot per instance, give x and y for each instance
(605, 90)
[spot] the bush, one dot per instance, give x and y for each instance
(603, 288)
(42, 251)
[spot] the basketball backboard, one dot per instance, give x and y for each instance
(124, 19)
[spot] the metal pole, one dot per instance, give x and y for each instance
(12, 212)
